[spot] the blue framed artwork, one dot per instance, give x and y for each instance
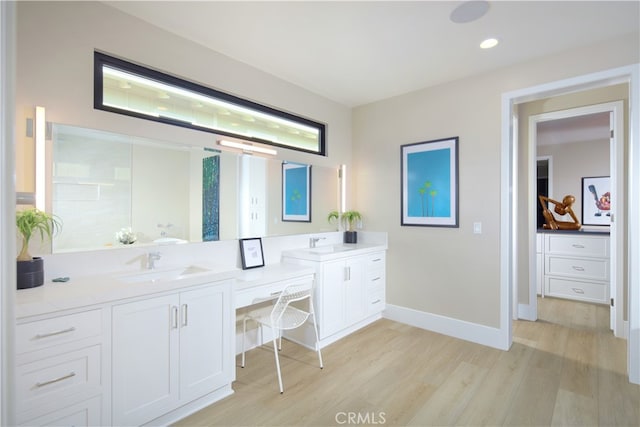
(211, 198)
(296, 192)
(429, 183)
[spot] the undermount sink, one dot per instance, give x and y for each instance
(161, 275)
(331, 249)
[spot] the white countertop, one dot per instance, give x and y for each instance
(95, 290)
(331, 252)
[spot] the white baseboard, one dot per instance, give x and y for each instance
(479, 334)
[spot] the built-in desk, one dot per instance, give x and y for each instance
(264, 283)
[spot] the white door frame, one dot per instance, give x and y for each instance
(508, 196)
(616, 113)
(7, 209)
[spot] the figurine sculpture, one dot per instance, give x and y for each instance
(561, 208)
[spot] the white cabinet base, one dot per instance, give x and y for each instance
(192, 407)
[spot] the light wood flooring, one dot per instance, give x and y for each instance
(566, 369)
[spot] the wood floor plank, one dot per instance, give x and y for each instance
(490, 406)
(450, 399)
(574, 409)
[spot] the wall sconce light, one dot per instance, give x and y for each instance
(247, 147)
(343, 188)
(40, 137)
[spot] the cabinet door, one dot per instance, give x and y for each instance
(332, 298)
(205, 323)
(354, 291)
(145, 357)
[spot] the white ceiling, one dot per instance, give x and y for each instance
(359, 52)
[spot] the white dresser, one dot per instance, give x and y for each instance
(576, 266)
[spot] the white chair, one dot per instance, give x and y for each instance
(283, 316)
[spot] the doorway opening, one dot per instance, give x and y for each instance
(518, 217)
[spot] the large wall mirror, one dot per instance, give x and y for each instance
(102, 184)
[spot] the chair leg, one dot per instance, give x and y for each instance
(275, 351)
(244, 333)
(315, 329)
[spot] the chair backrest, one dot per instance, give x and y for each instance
(288, 295)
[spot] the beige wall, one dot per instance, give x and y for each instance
(56, 41)
(451, 271)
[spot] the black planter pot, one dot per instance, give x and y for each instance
(350, 237)
(30, 273)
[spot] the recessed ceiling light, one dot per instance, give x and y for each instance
(469, 11)
(489, 43)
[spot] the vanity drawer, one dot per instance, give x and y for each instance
(578, 290)
(375, 279)
(585, 268)
(256, 294)
(58, 330)
(374, 261)
(375, 301)
(582, 246)
(55, 382)
(83, 414)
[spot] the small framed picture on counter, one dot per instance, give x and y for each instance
(251, 253)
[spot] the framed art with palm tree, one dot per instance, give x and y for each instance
(429, 183)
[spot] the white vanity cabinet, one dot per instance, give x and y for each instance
(170, 350)
(576, 266)
(349, 291)
(340, 296)
(61, 371)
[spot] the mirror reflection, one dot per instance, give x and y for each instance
(113, 190)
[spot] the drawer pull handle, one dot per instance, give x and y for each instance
(578, 290)
(56, 380)
(577, 268)
(377, 260)
(52, 334)
(577, 246)
(376, 301)
(377, 278)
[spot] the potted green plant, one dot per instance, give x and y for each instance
(348, 219)
(30, 270)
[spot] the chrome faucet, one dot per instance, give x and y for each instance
(314, 240)
(152, 257)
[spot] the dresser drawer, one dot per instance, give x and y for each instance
(55, 382)
(584, 268)
(581, 246)
(578, 290)
(58, 330)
